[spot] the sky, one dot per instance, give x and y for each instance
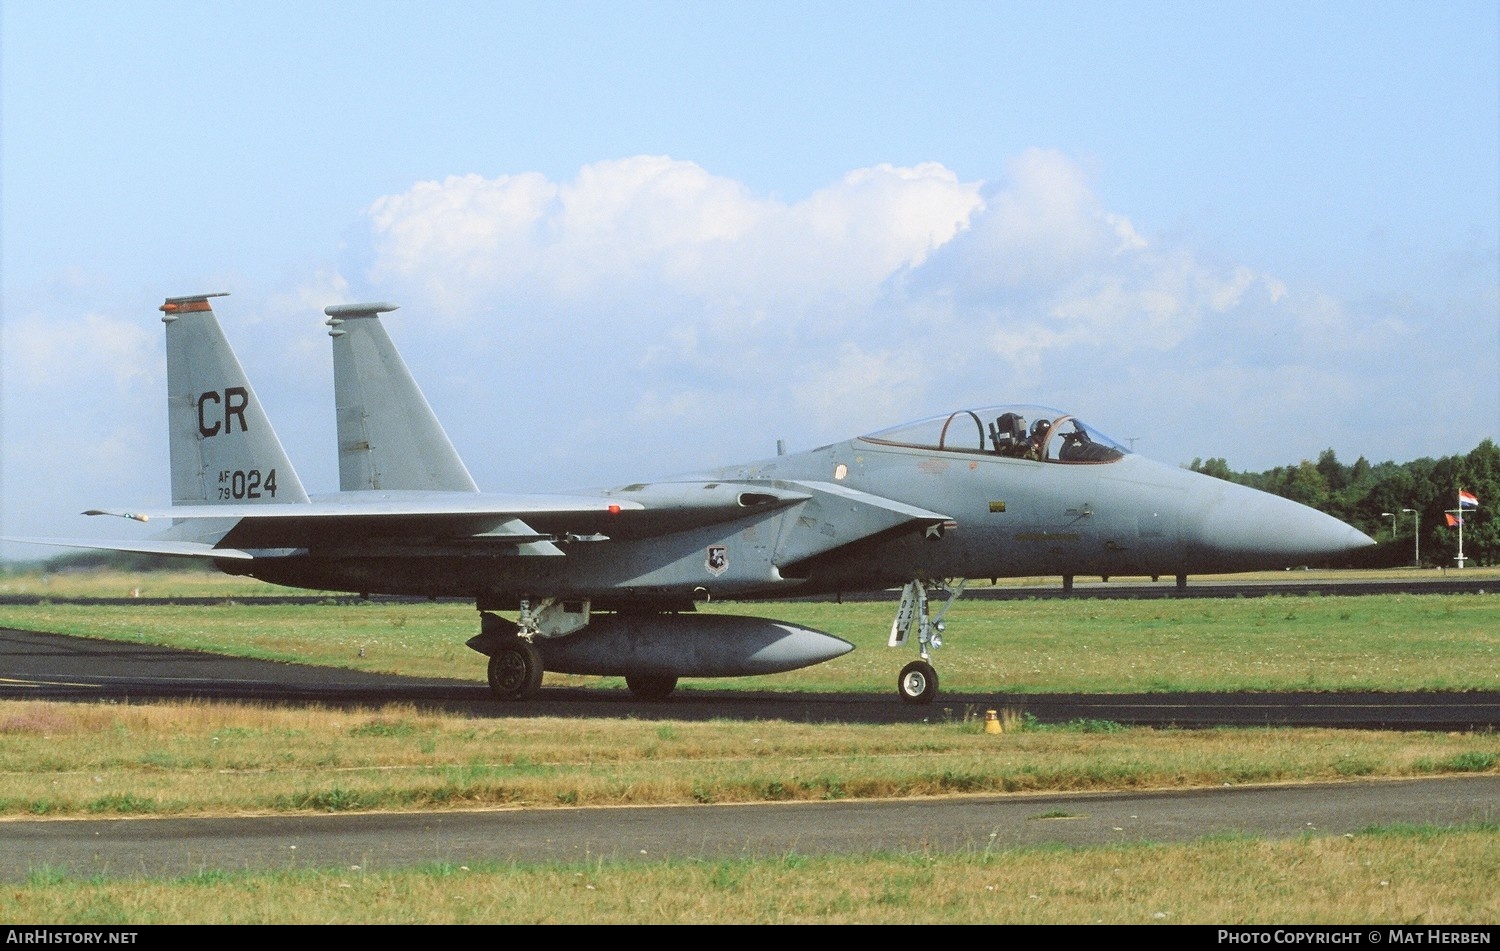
(635, 239)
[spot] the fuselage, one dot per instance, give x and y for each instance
(795, 533)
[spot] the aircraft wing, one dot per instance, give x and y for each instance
(828, 516)
(408, 521)
(378, 520)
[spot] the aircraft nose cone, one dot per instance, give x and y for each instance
(1250, 529)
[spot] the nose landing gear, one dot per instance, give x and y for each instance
(918, 682)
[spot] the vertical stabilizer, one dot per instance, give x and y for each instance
(224, 451)
(389, 438)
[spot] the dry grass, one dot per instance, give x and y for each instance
(201, 759)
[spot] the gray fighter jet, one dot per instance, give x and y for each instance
(604, 581)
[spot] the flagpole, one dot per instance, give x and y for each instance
(1460, 558)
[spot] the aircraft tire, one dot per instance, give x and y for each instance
(515, 671)
(651, 686)
(918, 682)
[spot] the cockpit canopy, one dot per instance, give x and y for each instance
(1020, 432)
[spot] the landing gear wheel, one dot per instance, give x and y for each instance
(515, 671)
(651, 686)
(918, 682)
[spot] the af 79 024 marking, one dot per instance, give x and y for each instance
(246, 484)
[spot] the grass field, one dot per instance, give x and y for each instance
(1081, 644)
(196, 759)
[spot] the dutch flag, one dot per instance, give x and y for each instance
(1467, 500)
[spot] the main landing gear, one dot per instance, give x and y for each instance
(520, 651)
(918, 682)
(515, 668)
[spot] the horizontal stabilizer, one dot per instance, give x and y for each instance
(142, 547)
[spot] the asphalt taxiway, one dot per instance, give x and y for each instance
(170, 848)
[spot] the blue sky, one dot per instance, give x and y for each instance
(632, 239)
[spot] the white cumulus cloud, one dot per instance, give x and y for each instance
(679, 295)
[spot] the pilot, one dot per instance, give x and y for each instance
(1075, 446)
(1009, 434)
(1038, 441)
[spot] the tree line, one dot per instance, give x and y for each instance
(1409, 508)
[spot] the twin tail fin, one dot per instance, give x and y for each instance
(389, 437)
(223, 449)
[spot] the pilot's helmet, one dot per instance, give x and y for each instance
(1038, 428)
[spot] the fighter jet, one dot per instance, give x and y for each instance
(605, 581)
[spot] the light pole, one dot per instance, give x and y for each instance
(1416, 541)
(1392, 517)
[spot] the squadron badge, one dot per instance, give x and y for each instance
(718, 560)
